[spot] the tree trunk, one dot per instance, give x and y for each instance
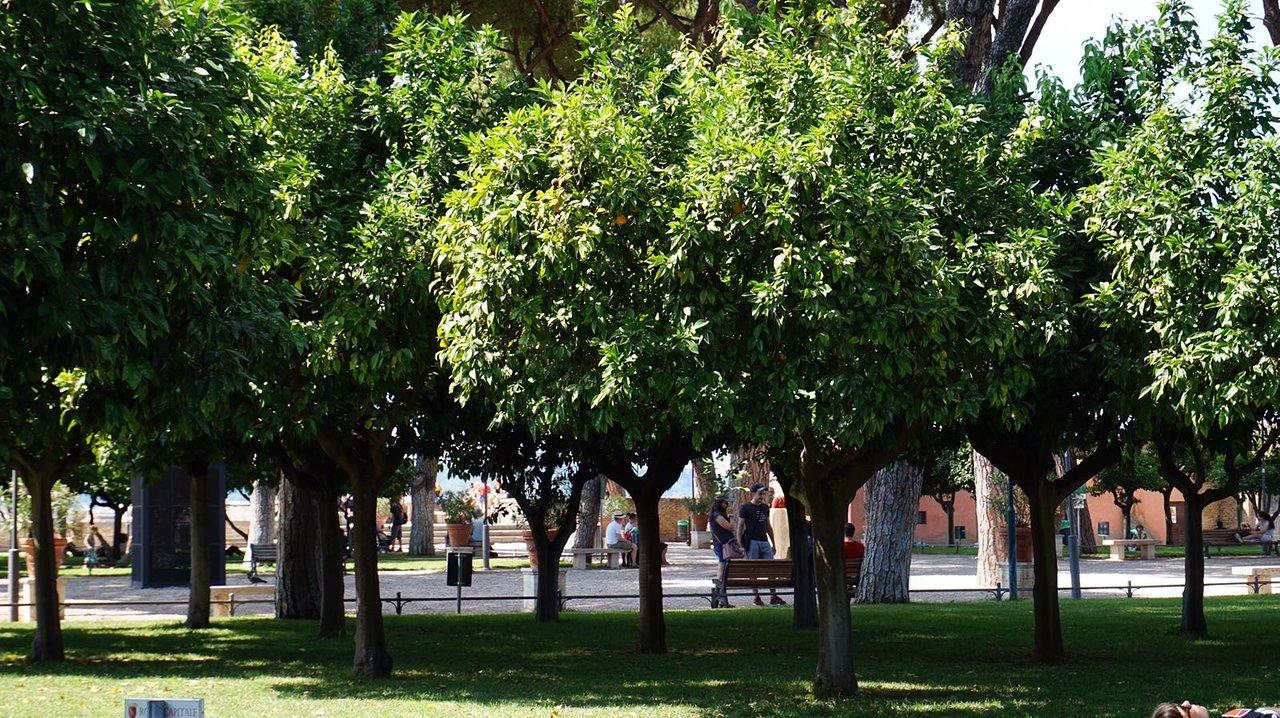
(1271, 19)
(1168, 515)
(1088, 540)
(1044, 544)
(47, 642)
(893, 503)
(117, 532)
(950, 509)
(546, 605)
(333, 612)
(589, 514)
(262, 514)
(422, 504)
(804, 606)
(704, 476)
(1193, 618)
(372, 660)
(300, 562)
(652, 636)
(1128, 518)
(835, 626)
(201, 573)
(993, 533)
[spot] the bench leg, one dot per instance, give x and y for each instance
(1117, 552)
(580, 561)
(615, 560)
(1149, 552)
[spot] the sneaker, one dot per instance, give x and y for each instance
(727, 605)
(777, 601)
(758, 602)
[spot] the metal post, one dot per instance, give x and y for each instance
(13, 552)
(484, 527)
(459, 599)
(1073, 540)
(1012, 519)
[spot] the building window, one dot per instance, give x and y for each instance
(1104, 528)
(960, 536)
(922, 517)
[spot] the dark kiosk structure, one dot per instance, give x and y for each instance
(161, 550)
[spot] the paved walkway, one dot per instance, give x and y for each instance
(945, 578)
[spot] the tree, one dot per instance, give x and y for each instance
(1185, 211)
(948, 470)
(545, 475)
(107, 481)
(422, 499)
(893, 499)
(555, 308)
(122, 129)
(1137, 470)
(370, 390)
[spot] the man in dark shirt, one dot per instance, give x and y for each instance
(755, 535)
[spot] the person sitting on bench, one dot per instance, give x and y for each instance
(613, 539)
(1267, 538)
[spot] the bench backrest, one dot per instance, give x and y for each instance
(1220, 535)
(757, 572)
(852, 568)
(264, 551)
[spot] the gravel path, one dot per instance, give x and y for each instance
(690, 573)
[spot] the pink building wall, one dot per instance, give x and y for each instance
(1149, 512)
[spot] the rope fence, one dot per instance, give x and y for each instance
(999, 593)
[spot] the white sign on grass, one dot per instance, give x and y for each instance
(164, 708)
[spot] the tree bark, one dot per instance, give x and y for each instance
(1088, 539)
(1044, 543)
(262, 512)
(546, 605)
(993, 533)
(333, 611)
(704, 476)
(950, 509)
(1194, 622)
(1271, 19)
(422, 504)
(117, 531)
(46, 645)
(589, 514)
(804, 606)
(835, 674)
(652, 637)
(1167, 495)
(372, 659)
(973, 17)
(1015, 18)
(893, 503)
(300, 563)
(201, 531)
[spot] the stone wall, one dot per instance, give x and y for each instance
(669, 512)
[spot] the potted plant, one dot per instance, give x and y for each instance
(459, 513)
(699, 507)
(59, 551)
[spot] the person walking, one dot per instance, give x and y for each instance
(756, 536)
(397, 526)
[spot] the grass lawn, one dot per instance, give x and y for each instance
(964, 659)
(1102, 552)
(73, 566)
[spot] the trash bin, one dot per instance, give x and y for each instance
(682, 529)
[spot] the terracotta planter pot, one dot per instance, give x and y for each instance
(1026, 550)
(700, 522)
(532, 549)
(459, 534)
(59, 550)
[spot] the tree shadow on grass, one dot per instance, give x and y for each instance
(968, 660)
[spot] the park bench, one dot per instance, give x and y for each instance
(768, 574)
(1118, 546)
(613, 556)
(262, 553)
(1227, 537)
(220, 597)
(1259, 577)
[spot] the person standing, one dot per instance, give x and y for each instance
(756, 536)
(397, 526)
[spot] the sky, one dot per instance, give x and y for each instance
(1075, 22)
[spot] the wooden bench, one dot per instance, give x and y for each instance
(1118, 546)
(1261, 577)
(769, 574)
(1227, 537)
(220, 597)
(262, 553)
(613, 556)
